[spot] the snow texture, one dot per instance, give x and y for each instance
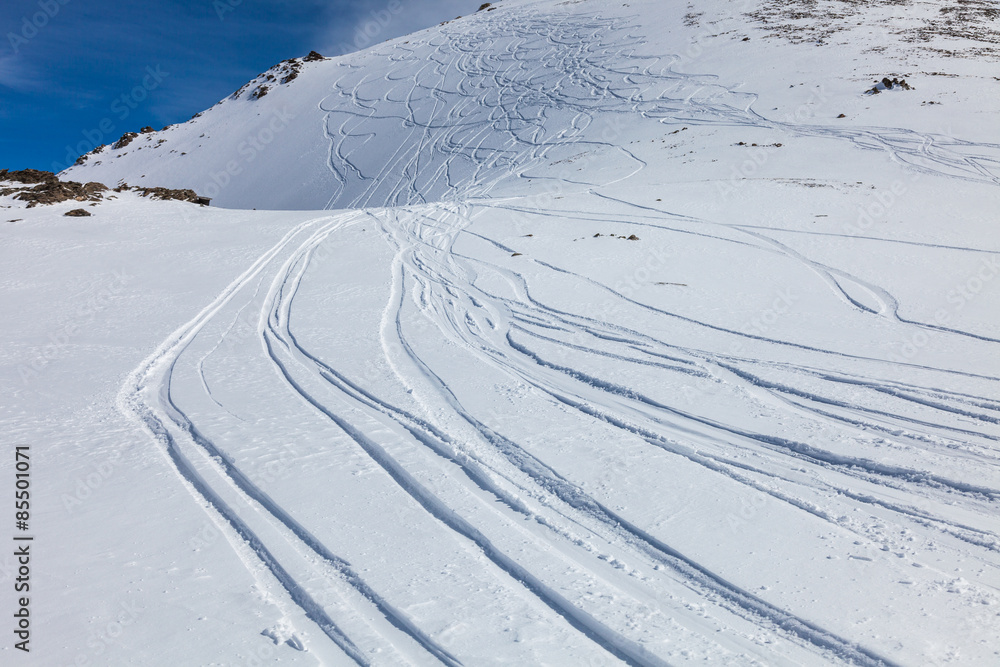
(576, 333)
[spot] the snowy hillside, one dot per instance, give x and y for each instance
(574, 333)
(480, 105)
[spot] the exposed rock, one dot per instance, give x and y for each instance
(78, 213)
(888, 84)
(55, 191)
(46, 188)
(283, 73)
(167, 194)
(28, 176)
(147, 130)
(125, 140)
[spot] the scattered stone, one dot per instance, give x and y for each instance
(888, 84)
(743, 143)
(843, 115)
(516, 254)
(631, 237)
(78, 213)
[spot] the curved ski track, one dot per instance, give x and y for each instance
(475, 117)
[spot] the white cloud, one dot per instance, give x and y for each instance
(378, 22)
(13, 73)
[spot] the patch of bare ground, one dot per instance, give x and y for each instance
(959, 28)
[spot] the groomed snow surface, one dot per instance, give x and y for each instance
(589, 335)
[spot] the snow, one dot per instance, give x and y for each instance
(436, 406)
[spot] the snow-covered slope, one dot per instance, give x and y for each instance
(479, 105)
(638, 334)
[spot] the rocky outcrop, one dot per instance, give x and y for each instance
(281, 74)
(46, 188)
(125, 140)
(27, 176)
(164, 194)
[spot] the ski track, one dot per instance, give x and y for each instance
(473, 122)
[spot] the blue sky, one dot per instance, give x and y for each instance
(70, 69)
